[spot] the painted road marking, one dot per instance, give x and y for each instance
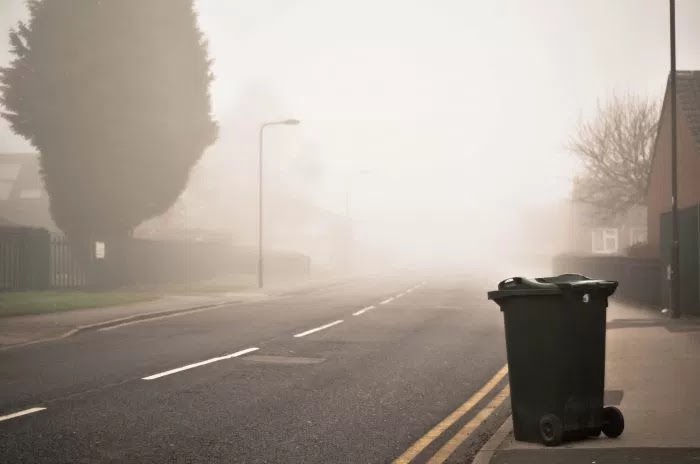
(400, 295)
(303, 334)
(388, 300)
(21, 413)
(449, 447)
(363, 310)
(201, 363)
(415, 287)
(447, 422)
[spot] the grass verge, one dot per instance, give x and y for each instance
(21, 303)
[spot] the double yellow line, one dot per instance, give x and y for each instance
(464, 433)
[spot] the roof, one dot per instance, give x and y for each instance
(20, 172)
(688, 99)
(23, 199)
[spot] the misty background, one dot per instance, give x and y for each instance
(459, 111)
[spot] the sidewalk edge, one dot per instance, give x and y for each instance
(486, 452)
(159, 313)
(121, 320)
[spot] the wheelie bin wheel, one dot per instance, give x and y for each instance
(551, 430)
(613, 422)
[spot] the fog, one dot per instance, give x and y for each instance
(458, 111)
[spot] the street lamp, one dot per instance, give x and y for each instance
(285, 122)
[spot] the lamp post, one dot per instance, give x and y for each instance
(285, 122)
(675, 241)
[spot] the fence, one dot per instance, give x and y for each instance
(31, 259)
(65, 269)
(10, 259)
(22, 258)
(639, 278)
(153, 262)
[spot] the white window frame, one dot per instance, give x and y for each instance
(9, 171)
(638, 235)
(5, 190)
(30, 194)
(604, 234)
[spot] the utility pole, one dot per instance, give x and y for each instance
(261, 133)
(675, 242)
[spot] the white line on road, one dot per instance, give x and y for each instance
(201, 363)
(303, 334)
(400, 295)
(20, 413)
(363, 310)
(388, 300)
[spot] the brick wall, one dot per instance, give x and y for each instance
(659, 197)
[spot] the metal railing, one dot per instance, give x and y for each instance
(65, 270)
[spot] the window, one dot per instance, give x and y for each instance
(9, 171)
(5, 190)
(605, 241)
(638, 235)
(100, 250)
(30, 194)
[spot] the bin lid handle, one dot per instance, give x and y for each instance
(514, 282)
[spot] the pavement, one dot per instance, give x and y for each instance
(652, 375)
(401, 369)
(18, 331)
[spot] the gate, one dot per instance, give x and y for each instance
(66, 271)
(24, 262)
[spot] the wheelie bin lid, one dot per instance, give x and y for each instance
(557, 285)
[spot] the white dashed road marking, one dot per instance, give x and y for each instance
(363, 310)
(21, 413)
(388, 300)
(303, 334)
(201, 363)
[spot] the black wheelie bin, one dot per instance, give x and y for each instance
(555, 342)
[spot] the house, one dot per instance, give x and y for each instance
(591, 232)
(23, 199)
(688, 152)
(210, 207)
(659, 193)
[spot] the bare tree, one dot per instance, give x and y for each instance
(616, 148)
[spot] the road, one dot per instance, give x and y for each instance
(354, 372)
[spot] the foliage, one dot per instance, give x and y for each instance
(616, 149)
(114, 94)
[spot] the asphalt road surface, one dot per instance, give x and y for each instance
(367, 371)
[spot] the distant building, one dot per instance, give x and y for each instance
(23, 198)
(591, 232)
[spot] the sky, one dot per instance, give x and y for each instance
(460, 110)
